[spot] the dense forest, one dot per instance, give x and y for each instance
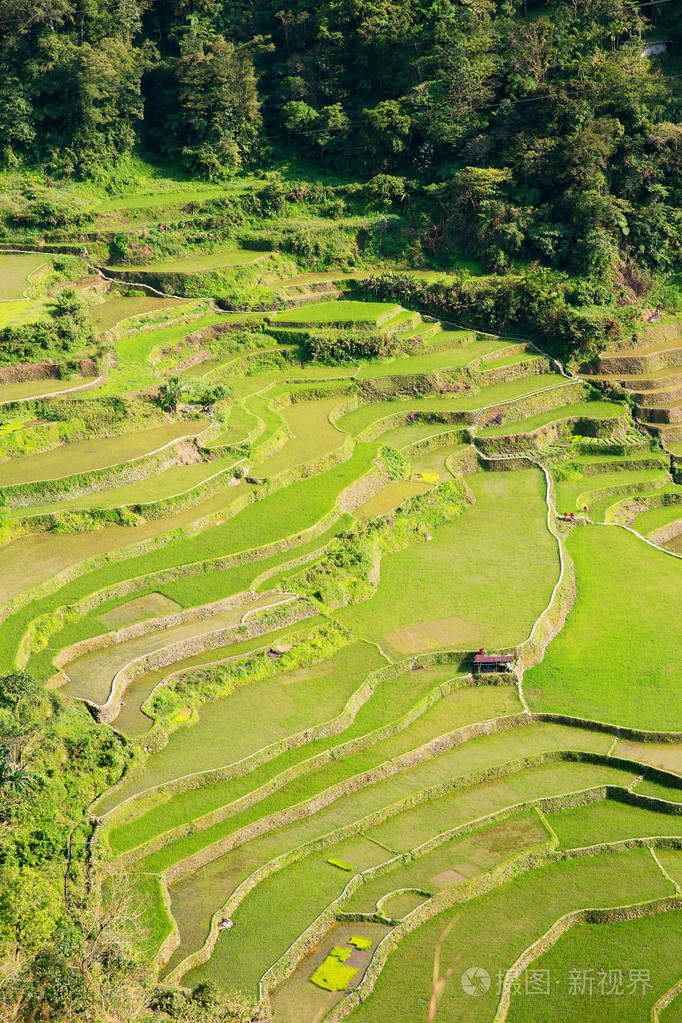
(536, 131)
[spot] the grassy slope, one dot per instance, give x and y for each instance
(331, 312)
(362, 417)
(611, 821)
(591, 409)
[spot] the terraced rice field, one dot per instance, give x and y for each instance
(15, 270)
(282, 624)
(114, 310)
(202, 261)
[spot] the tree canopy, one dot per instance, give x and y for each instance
(543, 129)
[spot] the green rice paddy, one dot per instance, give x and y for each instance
(421, 604)
(617, 658)
(98, 453)
(15, 269)
(336, 312)
(585, 409)
(604, 973)
(114, 310)
(490, 932)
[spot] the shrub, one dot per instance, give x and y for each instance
(339, 347)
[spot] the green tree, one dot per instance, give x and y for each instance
(212, 116)
(170, 394)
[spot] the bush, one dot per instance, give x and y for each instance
(338, 348)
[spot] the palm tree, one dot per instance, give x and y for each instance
(15, 781)
(170, 394)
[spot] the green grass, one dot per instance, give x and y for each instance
(197, 897)
(587, 409)
(611, 821)
(36, 388)
(322, 692)
(529, 356)
(91, 674)
(619, 656)
(271, 918)
(649, 521)
(491, 932)
(15, 268)
(132, 370)
(239, 425)
(97, 453)
(299, 893)
(161, 197)
(133, 721)
(610, 505)
(281, 705)
(14, 313)
(402, 436)
(472, 585)
(335, 312)
(312, 436)
(203, 588)
(278, 515)
(492, 750)
(652, 944)
(391, 699)
(155, 924)
(418, 825)
(390, 497)
(38, 557)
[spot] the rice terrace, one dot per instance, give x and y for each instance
(340, 512)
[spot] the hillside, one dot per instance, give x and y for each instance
(340, 512)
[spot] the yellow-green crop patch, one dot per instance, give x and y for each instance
(114, 310)
(582, 410)
(97, 453)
